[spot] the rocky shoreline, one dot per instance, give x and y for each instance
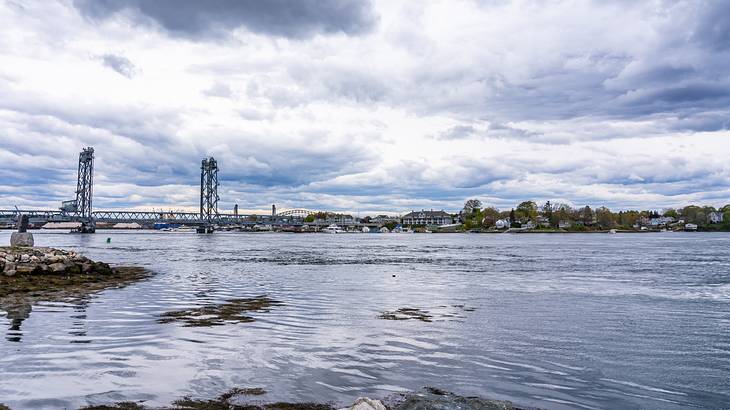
(38, 261)
(50, 274)
(428, 398)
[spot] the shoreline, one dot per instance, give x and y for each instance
(254, 399)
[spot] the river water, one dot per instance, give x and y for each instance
(553, 321)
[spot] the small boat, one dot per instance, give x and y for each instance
(332, 229)
(612, 231)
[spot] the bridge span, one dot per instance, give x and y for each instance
(80, 209)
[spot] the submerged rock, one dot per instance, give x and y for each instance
(431, 398)
(232, 311)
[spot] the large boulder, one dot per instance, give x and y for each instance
(21, 239)
(57, 267)
(364, 403)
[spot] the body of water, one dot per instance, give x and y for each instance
(554, 321)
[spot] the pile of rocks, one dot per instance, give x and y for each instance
(38, 261)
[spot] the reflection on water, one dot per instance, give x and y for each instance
(554, 321)
(16, 311)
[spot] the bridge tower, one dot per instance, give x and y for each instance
(85, 190)
(208, 194)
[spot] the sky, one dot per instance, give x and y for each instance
(366, 106)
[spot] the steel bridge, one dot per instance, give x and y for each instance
(80, 209)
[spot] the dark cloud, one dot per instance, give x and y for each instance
(211, 18)
(712, 28)
(120, 64)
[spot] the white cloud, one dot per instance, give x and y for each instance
(434, 102)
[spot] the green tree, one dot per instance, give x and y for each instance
(472, 206)
(526, 210)
(605, 217)
(490, 215)
(587, 215)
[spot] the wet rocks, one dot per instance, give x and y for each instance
(32, 261)
(233, 311)
(406, 313)
(365, 403)
(431, 398)
(443, 312)
(45, 271)
(240, 399)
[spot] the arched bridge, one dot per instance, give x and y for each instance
(302, 213)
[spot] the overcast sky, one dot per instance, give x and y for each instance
(367, 106)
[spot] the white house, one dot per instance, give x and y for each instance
(715, 217)
(427, 218)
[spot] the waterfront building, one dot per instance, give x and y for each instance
(383, 219)
(715, 217)
(424, 218)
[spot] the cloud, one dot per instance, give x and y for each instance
(382, 106)
(120, 64)
(195, 19)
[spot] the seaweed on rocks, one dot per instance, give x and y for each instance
(59, 287)
(232, 311)
(125, 405)
(442, 312)
(431, 398)
(406, 313)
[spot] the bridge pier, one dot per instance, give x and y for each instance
(87, 227)
(205, 229)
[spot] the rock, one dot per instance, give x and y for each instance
(21, 239)
(9, 266)
(364, 403)
(57, 267)
(25, 269)
(11, 272)
(24, 258)
(435, 399)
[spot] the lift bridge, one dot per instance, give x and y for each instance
(80, 209)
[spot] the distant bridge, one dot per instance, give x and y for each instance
(80, 209)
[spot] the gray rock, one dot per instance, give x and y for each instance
(25, 269)
(21, 239)
(364, 403)
(9, 266)
(11, 272)
(57, 267)
(25, 258)
(434, 399)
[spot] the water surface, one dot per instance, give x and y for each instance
(554, 321)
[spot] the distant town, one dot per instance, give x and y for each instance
(473, 217)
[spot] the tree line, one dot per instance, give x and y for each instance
(552, 215)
